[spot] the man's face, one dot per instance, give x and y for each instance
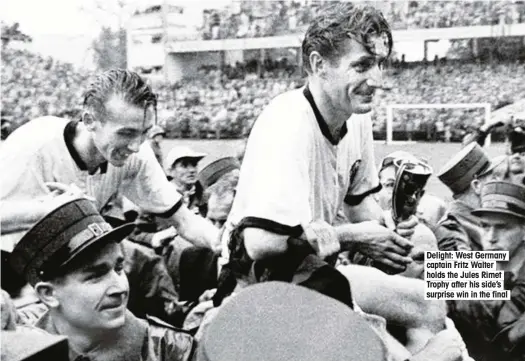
(219, 209)
(184, 171)
(350, 82)
(517, 163)
(387, 178)
(122, 130)
(502, 232)
(95, 295)
(158, 138)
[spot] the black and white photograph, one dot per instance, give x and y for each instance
(236, 180)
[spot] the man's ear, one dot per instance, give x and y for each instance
(317, 63)
(476, 186)
(88, 120)
(47, 294)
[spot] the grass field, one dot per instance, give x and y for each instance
(437, 154)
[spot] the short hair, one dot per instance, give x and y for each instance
(337, 22)
(225, 186)
(127, 84)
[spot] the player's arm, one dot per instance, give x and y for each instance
(147, 187)
(262, 244)
(195, 228)
(370, 230)
(20, 215)
(365, 209)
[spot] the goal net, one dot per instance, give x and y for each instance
(435, 118)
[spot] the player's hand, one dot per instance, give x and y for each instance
(163, 237)
(60, 193)
(322, 237)
(383, 245)
(406, 228)
(447, 345)
(195, 317)
(207, 295)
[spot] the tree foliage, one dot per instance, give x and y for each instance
(13, 33)
(110, 48)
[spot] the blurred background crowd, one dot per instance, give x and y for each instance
(281, 17)
(223, 102)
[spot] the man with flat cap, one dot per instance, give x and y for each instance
(464, 175)
(517, 153)
(73, 260)
(493, 330)
(292, 323)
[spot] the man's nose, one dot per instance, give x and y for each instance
(375, 77)
(491, 236)
(134, 146)
(119, 284)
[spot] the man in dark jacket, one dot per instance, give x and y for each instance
(493, 329)
(73, 260)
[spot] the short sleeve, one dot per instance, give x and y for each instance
(147, 186)
(364, 179)
(274, 183)
(23, 177)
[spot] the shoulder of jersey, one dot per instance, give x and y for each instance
(285, 107)
(42, 127)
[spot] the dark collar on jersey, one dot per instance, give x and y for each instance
(320, 120)
(69, 135)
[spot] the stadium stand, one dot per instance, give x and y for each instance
(224, 103)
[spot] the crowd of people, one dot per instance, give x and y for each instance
(224, 104)
(301, 248)
(258, 19)
(33, 85)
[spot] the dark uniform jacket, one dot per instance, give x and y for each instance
(152, 291)
(459, 230)
(138, 339)
(494, 330)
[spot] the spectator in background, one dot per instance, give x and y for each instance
(465, 174)
(195, 269)
(82, 282)
(491, 328)
(220, 198)
(181, 168)
(156, 135)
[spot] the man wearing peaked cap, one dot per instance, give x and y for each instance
(72, 259)
(181, 167)
(213, 171)
(491, 327)
(517, 155)
(276, 321)
(464, 175)
(503, 210)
